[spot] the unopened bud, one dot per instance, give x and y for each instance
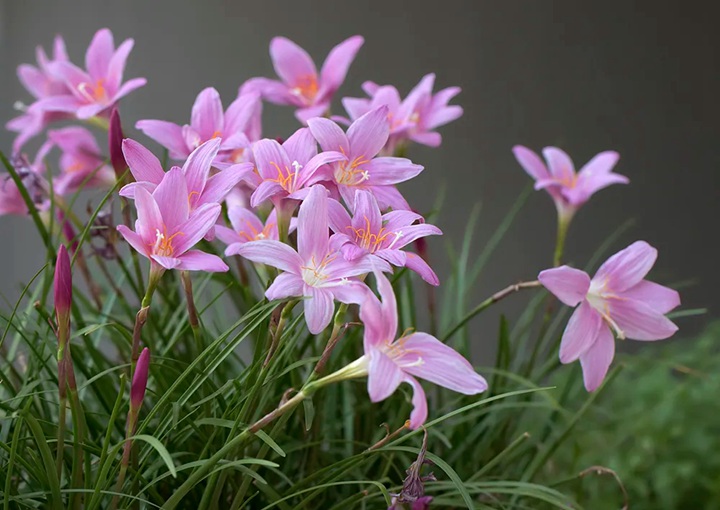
(115, 138)
(63, 289)
(139, 382)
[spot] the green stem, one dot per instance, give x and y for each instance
(79, 427)
(193, 318)
(564, 219)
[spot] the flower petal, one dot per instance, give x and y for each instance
(561, 166)
(369, 133)
(350, 292)
(200, 222)
(271, 159)
(207, 114)
(338, 62)
(568, 284)
(658, 297)
(272, 253)
(640, 322)
(596, 360)
(292, 63)
(627, 267)
(116, 66)
(134, 240)
(313, 230)
(531, 162)
(416, 263)
(197, 167)
(149, 219)
(338, 217)
(171, 196)
(219, 185)
(384, 376)
(99, 53)
(329, 135)
(285, 285)
(319, 307)
(366, 214)
(580, 333)
(300, 146)
(167, 134)
(196, 260)
(419, 401)
(143, 164)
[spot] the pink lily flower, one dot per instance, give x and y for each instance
(314, 271)
(569, 190)
(360, 169)
(165, 231)
(238, 127)
(100, 87)
(202, 188)
(33, 179)
(81, 162)
(618, 299)
(301, 85)
(391, 362)
(44, 85)
(246, 227)
(413, 119)
(368, 233)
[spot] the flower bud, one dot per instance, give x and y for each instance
(139, 382)
(67, 230)
(63, 289)
(115, 138)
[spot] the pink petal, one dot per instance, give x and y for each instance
(369, 133)
(389, 196)
(197, 167)
(560, 164)
(301, 146)
(99, 53)
(384, 171)
(266, 190)
(338, 217)
(602, 163)
(269, 156)
(419, 401)
(303, 115)
(128, 87)
(33, 80)
(372, 317)
(366, 214)
(531, 162)
(167, 134)
(395, 257)
(207, 114)
(285, 285)
(329, 135)
(228, 236)
(134, 240)
(143, 164)
(350, 292)
(171, 196)
(116, 67)
(427, 357)
(388, 308)
(397, 220)
(639, 321)
(413, 233)
(291, 62)
(149, 218)
(219, 185)
(196, 226)
(313, 230)
(658, 297)
(588, 185)
(196, 260)
(442, 116)
(416, 263)
(596, 360)
(128, 191)
(309, 174)
(273, 91)
(319, 307)
(384, 376)
(431, 139)
(569, 285)
(355, 106)
(338, 62)
(580, 333)
(272, 253)
(241, 114)
(627, 267)
(166, 262)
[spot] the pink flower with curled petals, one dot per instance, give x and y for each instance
(301, 85)
(81, 162)
(314, 272)
(391, 362)
(568, 189)
(370, 233)
(415, 118)
(96, 89)
(247, 227)
(165, 230)
(618, 299)
(359, 168)
(238, 127)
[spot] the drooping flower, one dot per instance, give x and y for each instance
(314, 271)
(301, 85)
(375, 235)
(165, 231)
(246, 227)
(360, 169)
(100, 86)
(413, 119)
(33, 179)
(390, 362)
(568, 189)
(44, 84)
(202, 188)
(81, 161)
(618, 299)
(238, 127)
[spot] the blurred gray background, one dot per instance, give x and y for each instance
(638, 77)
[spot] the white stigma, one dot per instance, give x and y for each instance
(397, 235)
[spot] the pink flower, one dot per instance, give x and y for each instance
(238, 127)
(246, 227)
(32, 177)
(99, 87)
(616, 299)
(81, 161)
(360, 169)
(202, 188)
(568, 189)
(383, 236)
(165, 231)
(314, 271)
(300, 84)
(413, 119)
(391, 362)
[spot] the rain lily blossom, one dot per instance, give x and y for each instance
(100, 86)
(301, 85)
(81, 162)
(568, 189)
(238, 127)
(359, 168)
(390, 362)
(413, 119)
(246, 227)
(314, 271)
(618, 299)
(201, 187)
(165, 230)
(375, 235)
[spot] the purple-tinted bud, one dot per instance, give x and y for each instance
(115, 138)
(139, 382)
(67, 230)
(63, 288)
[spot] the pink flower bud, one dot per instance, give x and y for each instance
(63, 288)
(115, 138)
(67, 230)
(139, 382)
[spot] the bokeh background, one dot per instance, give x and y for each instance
(638, 77)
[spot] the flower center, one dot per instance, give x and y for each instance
(94, 93)
(287, 178)
(236, 156)
(351, 173)
(250, 233)
(403, 357)
(163, 243)
(314, 273)
(306, 88)
(599, 296)
(371, 241)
